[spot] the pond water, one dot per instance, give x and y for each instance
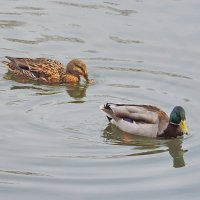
(55, 143)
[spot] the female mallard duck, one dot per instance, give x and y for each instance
(46, 70)
(146, 120)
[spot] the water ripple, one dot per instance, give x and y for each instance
(27, 173)
(147, 146)
(124, 41)
(9, 13)
(11, 23)
(133, 69)
(123, 85)
(29, 8)
(54, 140)
(46, 38)
(94, 6)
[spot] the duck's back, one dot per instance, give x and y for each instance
(143, 120)
(41, 69)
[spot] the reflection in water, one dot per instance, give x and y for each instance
(31, 10)
(133, 69)
(28, 8)
(176, 151)
(11, 76)
(46, 38)
(124, 41)
(76, 91)
(39, 90)
(28, 173)
(94, 6)
(146, 145)
(10, 23)
(123, 85)
(9, 13)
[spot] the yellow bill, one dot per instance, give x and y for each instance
(183, 127)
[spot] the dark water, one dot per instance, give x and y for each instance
(54, 141)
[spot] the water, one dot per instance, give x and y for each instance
(55, 143)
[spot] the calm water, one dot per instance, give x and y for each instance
(54, 141)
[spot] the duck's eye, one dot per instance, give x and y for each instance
(81, 68)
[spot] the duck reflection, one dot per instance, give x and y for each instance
(9, 76)
(145, 145)
(76, 91)
(177, 152)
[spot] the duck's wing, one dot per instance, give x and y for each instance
(43, 69)
(131, 118)
(143, 120)
(138, 113)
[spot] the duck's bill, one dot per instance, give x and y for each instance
(88, 80)
(183, 127)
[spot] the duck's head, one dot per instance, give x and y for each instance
(78, 68)
(177, 117)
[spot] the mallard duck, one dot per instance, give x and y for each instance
(46, 70)
(147, 120)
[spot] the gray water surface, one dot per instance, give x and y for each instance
(55, 143)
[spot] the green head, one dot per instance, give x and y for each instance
(177, 117)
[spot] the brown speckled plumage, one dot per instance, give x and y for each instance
(47, 70)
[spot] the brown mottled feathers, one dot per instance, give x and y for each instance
(47, 70)
(161, 114)
(41, 69)
(68, 78)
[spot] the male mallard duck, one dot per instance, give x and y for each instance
(46, 70)
(146, 120)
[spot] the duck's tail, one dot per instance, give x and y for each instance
(7, 62)
(8, 65)
(10, 58)
(107, 108)
(11, 64)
